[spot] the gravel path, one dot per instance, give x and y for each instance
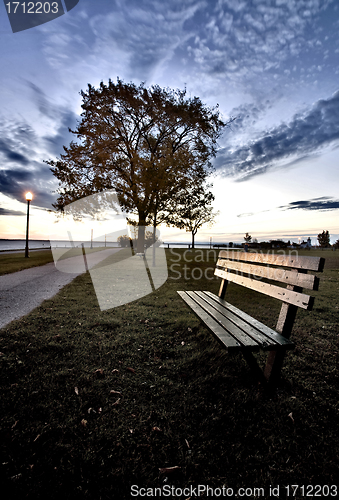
(23, 291)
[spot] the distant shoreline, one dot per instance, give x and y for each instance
(15, 250)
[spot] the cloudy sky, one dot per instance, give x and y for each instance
(272, 64)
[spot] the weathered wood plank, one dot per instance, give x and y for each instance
(298, 299)
(245, 340)
(295, 261)
(289, 277)
(265, 342)
(227, 340)
(277, 338)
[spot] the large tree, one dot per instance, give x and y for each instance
(145, 143)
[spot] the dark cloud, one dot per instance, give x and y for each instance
(22, 152)
(11, 155)
(18, 142)
(325, 203)
(322, 204)
(306, 134)
(6, 211)
(14, 183)
(41, 100)
(68, 120)
(64, 118)
(20, 170)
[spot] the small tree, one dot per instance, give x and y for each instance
(247, 238)
(124, 241)
(324, 239)
(336, 244)
(192, 209)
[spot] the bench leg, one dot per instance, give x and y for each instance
(269, 377)
(252, 362)
(273, 367)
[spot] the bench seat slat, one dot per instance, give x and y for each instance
(290, 297)
(268, 332)
(245, 340)
(229, 342)
(266, 342)
(289, 277)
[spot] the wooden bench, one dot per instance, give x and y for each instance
(236, 330)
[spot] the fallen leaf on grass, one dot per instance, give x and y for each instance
(115, 370)
(130, 369)
(76, 390)
(156, 429)
(83, 422)
(99, 372)
(115, 392)
(168, 470)
(291, 417)
(116, 402)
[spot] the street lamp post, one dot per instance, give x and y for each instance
(29, 198)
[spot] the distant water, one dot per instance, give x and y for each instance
(33, 244)
(20, 244)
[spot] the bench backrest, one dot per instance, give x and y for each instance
(257, 271)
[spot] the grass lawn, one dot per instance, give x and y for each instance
(16, 261)
(94, 402)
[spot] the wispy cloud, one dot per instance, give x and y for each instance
(144, 35)
(306, 134)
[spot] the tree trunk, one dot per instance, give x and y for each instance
(141, 233)
(193, 234)
(154, 236)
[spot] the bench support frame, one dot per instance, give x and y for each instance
(239, 268)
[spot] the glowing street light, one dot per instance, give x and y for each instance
(29, 198)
